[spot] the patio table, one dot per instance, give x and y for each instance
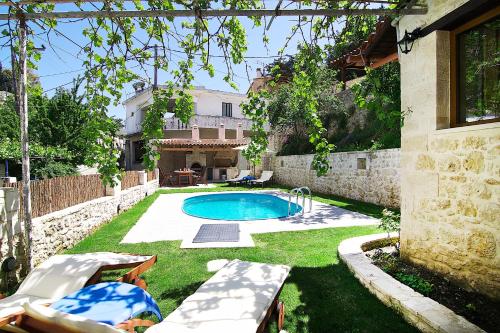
(111, 303)
(184, 173)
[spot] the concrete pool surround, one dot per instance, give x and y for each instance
(165, 221)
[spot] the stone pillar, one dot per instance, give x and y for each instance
(143, 177)
(195, 133)
(239, 132)
(11, 237)
(157, 173)
(114, 191)
(222, 132)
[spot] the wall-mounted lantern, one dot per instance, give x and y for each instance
(406, 43)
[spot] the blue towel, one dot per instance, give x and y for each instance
(249, 178)
(111, 303)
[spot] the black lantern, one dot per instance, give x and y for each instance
(406, 43)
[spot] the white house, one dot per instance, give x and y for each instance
(208, 141)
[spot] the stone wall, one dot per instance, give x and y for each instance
(450, 189)
(365, 176)
(58, 231)
(55, 232)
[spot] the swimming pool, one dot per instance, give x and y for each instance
(238, 206)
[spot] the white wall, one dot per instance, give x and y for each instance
(207, 102)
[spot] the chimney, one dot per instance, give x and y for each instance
(239, 132)
(222, 132)
(259, 73)
(138, 86)
(195, 133)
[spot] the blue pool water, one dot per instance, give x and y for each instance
(238, 206)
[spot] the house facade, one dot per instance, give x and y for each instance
(450, 149)
(207, 141)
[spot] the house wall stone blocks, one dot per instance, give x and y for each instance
(450, 177)
(366, 176)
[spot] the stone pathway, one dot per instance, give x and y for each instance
(165, 221)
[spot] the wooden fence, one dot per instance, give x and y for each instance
(151, 175)
(130, 179)
(50, 195)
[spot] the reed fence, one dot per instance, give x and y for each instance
(151, 176)
(130, 179)
(50, 195)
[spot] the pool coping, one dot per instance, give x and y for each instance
(422, 312)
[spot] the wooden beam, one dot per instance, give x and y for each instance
(22, 104)
(385, 60)
(213, 13)
(194, 148)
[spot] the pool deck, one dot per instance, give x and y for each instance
(165, 221)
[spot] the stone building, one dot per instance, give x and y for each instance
(450, 149)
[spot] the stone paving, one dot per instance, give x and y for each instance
(165, 221)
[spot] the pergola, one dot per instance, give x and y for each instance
(19, 13)
(379, 49)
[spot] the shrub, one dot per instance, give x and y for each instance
(415, 282)
(390, 221)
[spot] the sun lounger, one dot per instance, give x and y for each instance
(104, 307)
(264, 178)
(62, 275)
(241, 297)
(239, 178)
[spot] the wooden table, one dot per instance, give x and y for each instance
(184, 173)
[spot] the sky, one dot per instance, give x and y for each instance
(61, 61)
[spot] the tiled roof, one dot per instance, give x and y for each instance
(203, 142)
(380, 44)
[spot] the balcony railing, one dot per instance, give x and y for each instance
(208, 122)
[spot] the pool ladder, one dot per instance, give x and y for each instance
(300, 191)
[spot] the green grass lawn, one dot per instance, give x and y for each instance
(320, 295)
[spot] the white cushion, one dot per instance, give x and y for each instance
(237, 297)
(68, 321)
(62, 275)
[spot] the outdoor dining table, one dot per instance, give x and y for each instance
(183, 174)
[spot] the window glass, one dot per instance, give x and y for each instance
(227, 109)
(478, 60)
(138, 151)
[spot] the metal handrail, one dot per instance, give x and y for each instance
(297, 191)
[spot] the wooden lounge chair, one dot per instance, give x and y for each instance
(239, 178)
(62, 275)
(241, 297)
(264, 178)
(104, 307)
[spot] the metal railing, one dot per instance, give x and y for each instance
(300, 191)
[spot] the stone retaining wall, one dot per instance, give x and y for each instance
(365, 176)
(424, 313)
(55, 232)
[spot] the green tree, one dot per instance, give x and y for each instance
(62, 121)
(380, 93)
(286, 113)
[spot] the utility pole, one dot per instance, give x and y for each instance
(23, 114)
(155, 81)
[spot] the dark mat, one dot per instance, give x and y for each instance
(208, 233)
